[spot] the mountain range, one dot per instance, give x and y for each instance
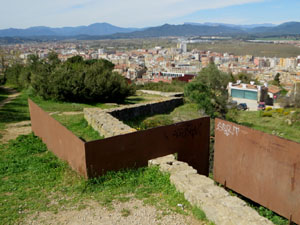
(108, 31)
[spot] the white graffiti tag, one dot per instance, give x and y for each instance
(228, 129)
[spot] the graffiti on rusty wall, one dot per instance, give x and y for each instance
(263, 167)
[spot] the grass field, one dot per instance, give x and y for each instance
(248, 48)
(276, 124)
(33, 180)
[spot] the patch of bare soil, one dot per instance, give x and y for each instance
(133, 212)
(13, 130)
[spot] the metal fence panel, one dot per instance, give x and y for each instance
(263, 167)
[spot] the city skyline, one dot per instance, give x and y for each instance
(133, 13)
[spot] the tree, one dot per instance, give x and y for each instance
(209, 91)
(77, 80)
(245, 78)
(276, 80)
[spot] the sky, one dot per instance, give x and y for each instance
(144, 13)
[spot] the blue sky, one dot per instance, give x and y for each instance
(144, 13)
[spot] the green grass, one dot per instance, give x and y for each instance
(33, 180)
(276, 124)
(79, 126)
(175, 86)
(185, 112)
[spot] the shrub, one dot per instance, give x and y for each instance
(268, 108)
(75, 80)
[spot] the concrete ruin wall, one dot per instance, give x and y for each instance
(218, 205)
(107, 122)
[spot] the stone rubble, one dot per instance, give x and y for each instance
(215, 201)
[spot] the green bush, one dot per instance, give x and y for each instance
(75, 80)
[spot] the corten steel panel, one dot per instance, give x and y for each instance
(260, 166)
(62, 142)
(190, 139)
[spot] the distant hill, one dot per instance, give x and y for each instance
(168, 30)
(290, 28)
(93, 29)
(234, 25)
(108, 31)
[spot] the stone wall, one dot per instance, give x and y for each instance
(107, 122)
(146, 109)
(218, 205)
(104, 123)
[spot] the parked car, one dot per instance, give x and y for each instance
(261, 106)
(242, 106)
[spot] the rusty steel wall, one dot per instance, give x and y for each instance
(62, 142)
(260, 166)
(189, 139)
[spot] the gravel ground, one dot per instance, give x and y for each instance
(133, 212)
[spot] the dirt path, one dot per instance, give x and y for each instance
(13, 130)
(133, 212)
(12, 95)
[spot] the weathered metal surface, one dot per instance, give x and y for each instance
(62, 142)
(189, 139)
(262, 167)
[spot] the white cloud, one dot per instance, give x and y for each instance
(25, 13)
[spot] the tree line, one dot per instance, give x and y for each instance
(75, 80)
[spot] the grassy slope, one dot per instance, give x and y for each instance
(277, 124)
(33, 180)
